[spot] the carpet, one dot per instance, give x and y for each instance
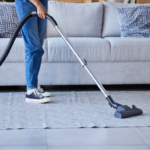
(71, 110)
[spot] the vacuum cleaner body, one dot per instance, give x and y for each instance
(121, 111)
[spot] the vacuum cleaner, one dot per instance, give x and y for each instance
(122, 111)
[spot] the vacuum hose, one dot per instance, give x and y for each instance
(31, 14)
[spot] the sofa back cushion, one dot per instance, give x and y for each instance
(111, 26)
(76, 19)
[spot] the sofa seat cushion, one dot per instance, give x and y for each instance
(91, 49)
(129, 49)
(17, 54)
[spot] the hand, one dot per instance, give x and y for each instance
(41, 11)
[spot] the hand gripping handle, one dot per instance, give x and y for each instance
(21, 23)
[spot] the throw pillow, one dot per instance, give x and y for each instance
(135, 21)
(8, 20)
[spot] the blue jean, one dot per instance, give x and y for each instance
(33, 32)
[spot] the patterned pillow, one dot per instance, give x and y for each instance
(8, 20)
(134, 21)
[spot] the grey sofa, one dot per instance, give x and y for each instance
(95, 32)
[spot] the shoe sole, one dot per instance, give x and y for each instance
(37, 101)
(46, 95)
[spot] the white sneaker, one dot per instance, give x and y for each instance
(40, 90)
(36, 97)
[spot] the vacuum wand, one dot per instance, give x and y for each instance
(121, 111)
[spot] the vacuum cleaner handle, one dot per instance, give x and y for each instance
(21, 23)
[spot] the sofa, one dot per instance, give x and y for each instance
(94, 30)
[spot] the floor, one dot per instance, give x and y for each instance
(77, 139)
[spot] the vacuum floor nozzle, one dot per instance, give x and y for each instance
(125, 111)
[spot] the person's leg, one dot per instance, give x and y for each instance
(33, 51)
(33, 48)
(42, 23)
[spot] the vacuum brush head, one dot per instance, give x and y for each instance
(125, 111)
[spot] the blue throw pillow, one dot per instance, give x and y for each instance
(135, 21)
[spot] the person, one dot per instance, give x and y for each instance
(33, 32)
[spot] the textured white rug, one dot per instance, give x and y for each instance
(71, 110)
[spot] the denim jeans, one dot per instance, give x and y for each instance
(33, 32)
